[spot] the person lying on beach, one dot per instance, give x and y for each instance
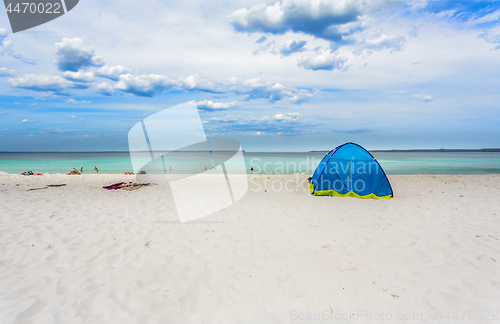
(30, 173)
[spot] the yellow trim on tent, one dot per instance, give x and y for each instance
(349, 194)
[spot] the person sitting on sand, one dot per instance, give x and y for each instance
(74, 172)
(96, 169)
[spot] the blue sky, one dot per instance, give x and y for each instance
(290, 75)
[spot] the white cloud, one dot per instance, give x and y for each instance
(112, 72)
(494, 16)
(5, 44)
(225, 118)
(105, 89)
(4, 72)
(391, 42)
(279, 124)
(42, 83)
(202, 83)
(287, 117)
(72, 54)
(255, 88)
(303, 96)
(492, 39)
(422, 97)
(342, 23)
(322, 19)
(144, 85)
(292, 46)
(153, 84)
(417, 4)
(323, 60)
(209, 105)
(447, 13)
(79, 76)
(6, 48)
(76, 102)
(263, 49)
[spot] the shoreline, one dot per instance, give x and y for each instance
(492, 149)
(248, 174)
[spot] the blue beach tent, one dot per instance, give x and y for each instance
(350, 171)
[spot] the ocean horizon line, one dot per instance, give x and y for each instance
(486, 150)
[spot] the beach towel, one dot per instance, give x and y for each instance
(114, 186)
(30, 173)
(126, 186)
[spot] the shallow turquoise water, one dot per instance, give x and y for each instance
(272, 163)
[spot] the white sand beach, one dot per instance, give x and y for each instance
(83, 254)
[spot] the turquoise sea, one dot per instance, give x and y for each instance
(270, 163)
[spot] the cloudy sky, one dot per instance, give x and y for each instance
(291, 75)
